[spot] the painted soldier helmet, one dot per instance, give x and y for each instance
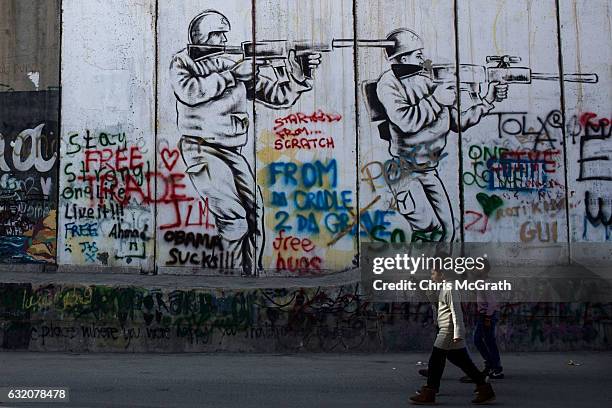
(209, 21)
(405, 41)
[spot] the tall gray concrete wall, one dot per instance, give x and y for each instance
(150, 163)
(120, 192)
(29, 130)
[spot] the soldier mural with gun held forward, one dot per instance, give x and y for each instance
(418, 115)
(212, 92)
(414, 105)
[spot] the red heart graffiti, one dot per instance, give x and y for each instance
(169, 157)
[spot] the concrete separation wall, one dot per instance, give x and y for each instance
(29, 130)
(284, 164)
(202, 141)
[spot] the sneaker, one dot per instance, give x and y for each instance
(496, 374)
(424, 372)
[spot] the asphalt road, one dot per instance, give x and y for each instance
(304, 380)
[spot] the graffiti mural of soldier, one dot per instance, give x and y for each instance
(212, 95)
(420, 114)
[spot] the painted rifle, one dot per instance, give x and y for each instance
(275, 53)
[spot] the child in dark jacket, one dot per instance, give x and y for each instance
(484, 335)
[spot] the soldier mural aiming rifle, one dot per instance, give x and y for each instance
(211, 93)
(414, 104)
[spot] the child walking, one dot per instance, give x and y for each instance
(450, 344)
(484, 335)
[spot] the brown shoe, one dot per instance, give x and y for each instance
(484, 394)
(427, 396)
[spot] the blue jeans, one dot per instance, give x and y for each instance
(485, 342)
